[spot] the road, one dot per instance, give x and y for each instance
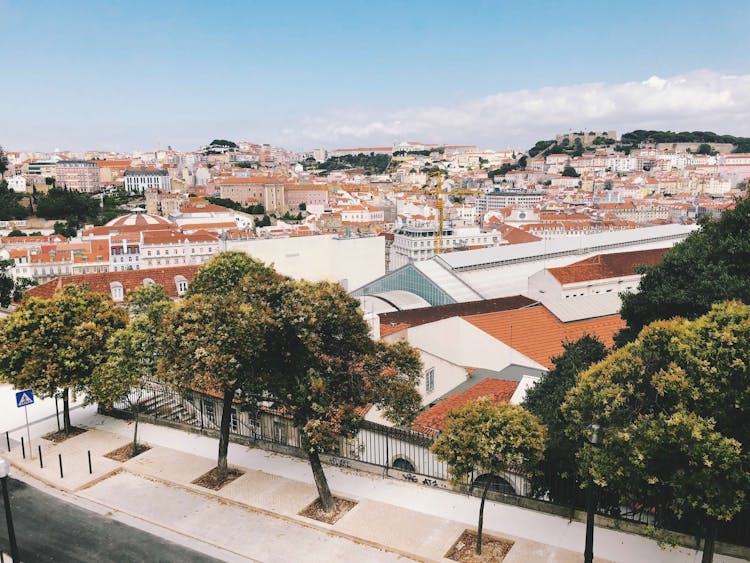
(49, 529)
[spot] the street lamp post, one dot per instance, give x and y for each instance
(594, 439)
(4, 470)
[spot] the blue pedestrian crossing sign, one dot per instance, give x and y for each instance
(24, 398)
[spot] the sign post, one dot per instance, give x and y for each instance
(24, 399)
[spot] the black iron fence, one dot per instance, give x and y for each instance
(403, 454)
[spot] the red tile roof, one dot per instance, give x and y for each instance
(432, 420)
(604, 266)
(130, 279)
(538, 334)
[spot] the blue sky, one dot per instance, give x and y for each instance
(128, 75)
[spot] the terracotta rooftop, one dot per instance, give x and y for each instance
(538, 334)
(432, 420)
(130, 279)
(416, 317)
(514, 235)
(604, 266)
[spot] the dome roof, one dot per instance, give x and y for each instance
(138, 220)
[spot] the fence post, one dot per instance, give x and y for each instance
(23, 448)
(59, 459)
(7, 440)
(89, 454)
(41, 464)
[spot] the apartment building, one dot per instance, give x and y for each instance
(140, 180)
(78, 175)
(498, 199)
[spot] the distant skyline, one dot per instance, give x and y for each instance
(142, 75)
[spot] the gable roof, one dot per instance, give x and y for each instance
(130, 279)
(538, 334)
(604, 266)
(431, 421)
(424, 315)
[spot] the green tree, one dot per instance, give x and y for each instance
(65, 229)
(333, 370)
(711, 265)
(490, 438)
(3, 162)
(10, 205)
(132, 355)
(11, 288)
(570, 172)
(704, 148)
(219, 339)
(544, 400)
(56, 344)
(16, 233)
(674, 405)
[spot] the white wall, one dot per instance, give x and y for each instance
(353, 261)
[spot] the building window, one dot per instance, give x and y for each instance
(182, 285)
(429, 380)
(234, 423)
(117, 291)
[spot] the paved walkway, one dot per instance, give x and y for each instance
(392, 519)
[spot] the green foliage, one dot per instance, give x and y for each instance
(640, 136)
(291, 216)
(570, 172)
(522, 162)
(16, 233)
(58, 343)
(75, 207)
(489, 438)
(704, 148)
(245, 164)
(711, 265)
(264, 222)
(3, 161)
(223, 143)
(11, 289)
(303, 206)
(544, 400)
(540, 147)
(371, 163)
(674, 406)
(10, 204)
(502, 171)
(65, 229)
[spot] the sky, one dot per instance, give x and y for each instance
(134, 75)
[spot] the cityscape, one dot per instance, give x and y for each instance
(324, 303)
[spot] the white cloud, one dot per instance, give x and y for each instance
(700, 100)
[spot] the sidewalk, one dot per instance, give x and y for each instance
(406, 520)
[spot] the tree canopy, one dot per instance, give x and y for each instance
(711, 265)
(333, 370)
(54, 344)
(11, 289)
(489, 438)
(674, 405)
(544, 400)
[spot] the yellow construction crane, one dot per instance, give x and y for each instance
(440, 207)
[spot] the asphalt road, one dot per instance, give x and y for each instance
(49, 529)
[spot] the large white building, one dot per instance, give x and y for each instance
(499, 199)
(138, 181)
(415, 241)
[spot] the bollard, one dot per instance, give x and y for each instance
(23, 448)
(41, 465)
(7, 440)
(59, 458)
(90, 471)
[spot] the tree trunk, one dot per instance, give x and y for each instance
(136, 416)
(324, 493)
(478, 548)
(226, 416)
(66, 411)
(710, 541)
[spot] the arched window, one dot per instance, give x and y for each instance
(118, 293)
(182, 284)
(148, 282)
(497, 484)
(403, 465)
